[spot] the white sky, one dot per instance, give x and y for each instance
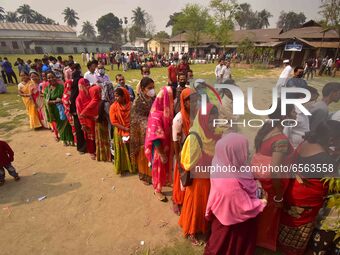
(159, 9)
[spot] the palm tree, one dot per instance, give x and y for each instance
(49, 21)
(139, 18)
(88, 30)
(71, 17)
(12, 17)
(26, 13)
(2, 14)
(39, 18)
(263, 17)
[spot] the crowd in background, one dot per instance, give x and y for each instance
(163, 136)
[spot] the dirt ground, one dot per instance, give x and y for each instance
(88, 209)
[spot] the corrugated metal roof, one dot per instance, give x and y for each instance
(309, 33)
(255, 35)
(35, 27)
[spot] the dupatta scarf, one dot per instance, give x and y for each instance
(120, 114)
(66, 101)
(185, 114)
(159, 128)
(160, 121)
(83, 98)
(238, 202)
(90, 112)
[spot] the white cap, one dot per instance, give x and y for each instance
(286, 61)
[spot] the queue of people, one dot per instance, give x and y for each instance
(163, 137)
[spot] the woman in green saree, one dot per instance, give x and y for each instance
(52, 95)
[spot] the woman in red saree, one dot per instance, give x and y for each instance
(180, 130)
(82, 101)
(272, 148)
(306, 194)
(67, 104)
(120, 119)
(158, 145)
(89, 115)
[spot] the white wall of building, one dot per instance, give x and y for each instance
(180, 47)
(50, 47)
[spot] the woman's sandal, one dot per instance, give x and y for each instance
(93, 156)
(160, 196)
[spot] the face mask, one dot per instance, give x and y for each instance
(151, 93)
(101, 71)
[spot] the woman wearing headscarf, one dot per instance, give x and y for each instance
(38, 97)
(272, 149)
(158, 146)
(120, 119)
(232, 205)
(180, 130)
(306, 193)
(53, 94)
(25, 92)
(139, 119)
(198, 151)
(91, 114)
(87, 125)
(80, 139)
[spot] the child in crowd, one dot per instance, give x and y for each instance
(6, 157)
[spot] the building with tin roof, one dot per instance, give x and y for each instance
(25, 38)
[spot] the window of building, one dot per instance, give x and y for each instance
(27, 45)
(3, 44)
(15, 45)
(183, 49)
(75, 50)
(97, 49)
(60, 50)
(38, 50)
(85, 50)
(173, 48)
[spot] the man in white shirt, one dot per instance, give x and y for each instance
(226, 71)
(284, 75)
(91, 75)
(329, 66)
(218, 71)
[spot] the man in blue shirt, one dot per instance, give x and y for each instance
(46, 65)
(3, 74)
(7, 66)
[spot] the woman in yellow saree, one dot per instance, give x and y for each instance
(24, 89)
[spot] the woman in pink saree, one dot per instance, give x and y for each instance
(158, 141)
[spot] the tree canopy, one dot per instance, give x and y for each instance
(249, 19)
(290, 20)
(109, 28)
(222, 22)
(194, 19)
(88, 30)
